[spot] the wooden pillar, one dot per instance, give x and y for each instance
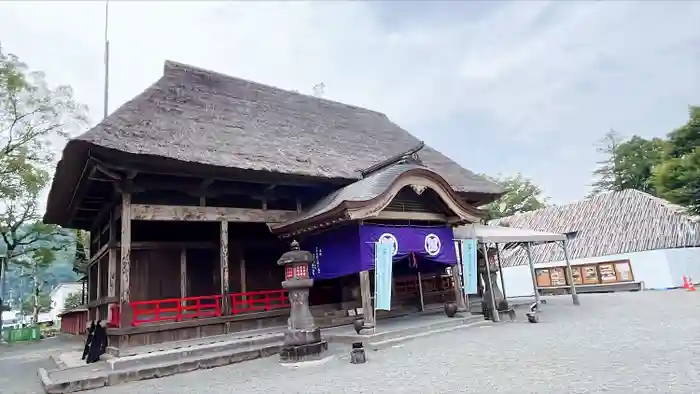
(223, 264)
(111, 262)
(112, 257)
(124, 288)
(183, 274)
(366, 293)
(244, 285)
(458, 287)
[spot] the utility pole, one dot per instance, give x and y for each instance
(106, 87)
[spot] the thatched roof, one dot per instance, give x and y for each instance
(200, 117)
(607, 224)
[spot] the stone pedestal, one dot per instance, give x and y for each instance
(302, 340)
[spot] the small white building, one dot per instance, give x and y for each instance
(58, 297)
(659, 239)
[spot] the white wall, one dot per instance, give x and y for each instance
(658, 269)
(59, 295)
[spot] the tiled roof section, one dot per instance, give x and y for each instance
(607, 224)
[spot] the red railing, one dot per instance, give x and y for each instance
(254, 301)
(175, 309)
(178, 309)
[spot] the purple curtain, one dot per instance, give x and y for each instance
(336, 252)
(434, 244)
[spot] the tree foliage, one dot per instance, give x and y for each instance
(80, 260)
(521, 195)
(73, 300)
(33, 116)
(665, 167)
(606, 173)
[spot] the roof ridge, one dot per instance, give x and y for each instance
(171, 65)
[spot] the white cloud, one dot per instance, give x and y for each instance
(539, 78)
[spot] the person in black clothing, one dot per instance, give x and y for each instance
(98, 345)
(88, 340)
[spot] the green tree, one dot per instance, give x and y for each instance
(677, 178)
(80, 261)
(521, 195)
(635, 160)
(29, 305)
(36, 264)
(685, 139)
(32, 116)
(74, 300)
(606, 173)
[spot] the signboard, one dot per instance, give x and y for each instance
(469, 270)
(382, 271)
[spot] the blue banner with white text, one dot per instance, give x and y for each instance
(382, 270)
(469, 270)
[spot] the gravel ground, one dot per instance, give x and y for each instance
(617, 343)
(19, 363)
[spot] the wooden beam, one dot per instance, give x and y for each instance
(223, 263)
(424, 216)
(125, 286)
(208, 214)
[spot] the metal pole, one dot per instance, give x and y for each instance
(494, 312)
(533, 274)
(106, 87)
(500, 270)
(570, 274)
(3, 272)
(420, 292)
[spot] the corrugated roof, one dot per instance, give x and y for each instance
(607, 224)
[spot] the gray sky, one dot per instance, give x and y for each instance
(501, 87)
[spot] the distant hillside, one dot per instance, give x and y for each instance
(19, 281)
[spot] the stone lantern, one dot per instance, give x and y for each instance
(302, 340)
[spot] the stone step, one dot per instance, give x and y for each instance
(232, 346)
(399, 340)
(399, 329)
(154, 365)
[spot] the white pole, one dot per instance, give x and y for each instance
(106, 85)
(533, 274)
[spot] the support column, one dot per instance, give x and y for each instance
(244, 285)
(489, 286)
(533, 274)
(111, 263)
(183, 274)
(223, 265)
(99, 287)
(458, 287)
(569, 274)
(366, 293)
(500, 271)
(125, 287)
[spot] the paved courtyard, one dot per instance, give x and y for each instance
(614, 343)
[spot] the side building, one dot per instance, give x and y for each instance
(192, 191)
(626, 239)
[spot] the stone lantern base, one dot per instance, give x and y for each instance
(300, 345)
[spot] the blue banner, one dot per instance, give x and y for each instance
(469, 273)
(383, 253)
